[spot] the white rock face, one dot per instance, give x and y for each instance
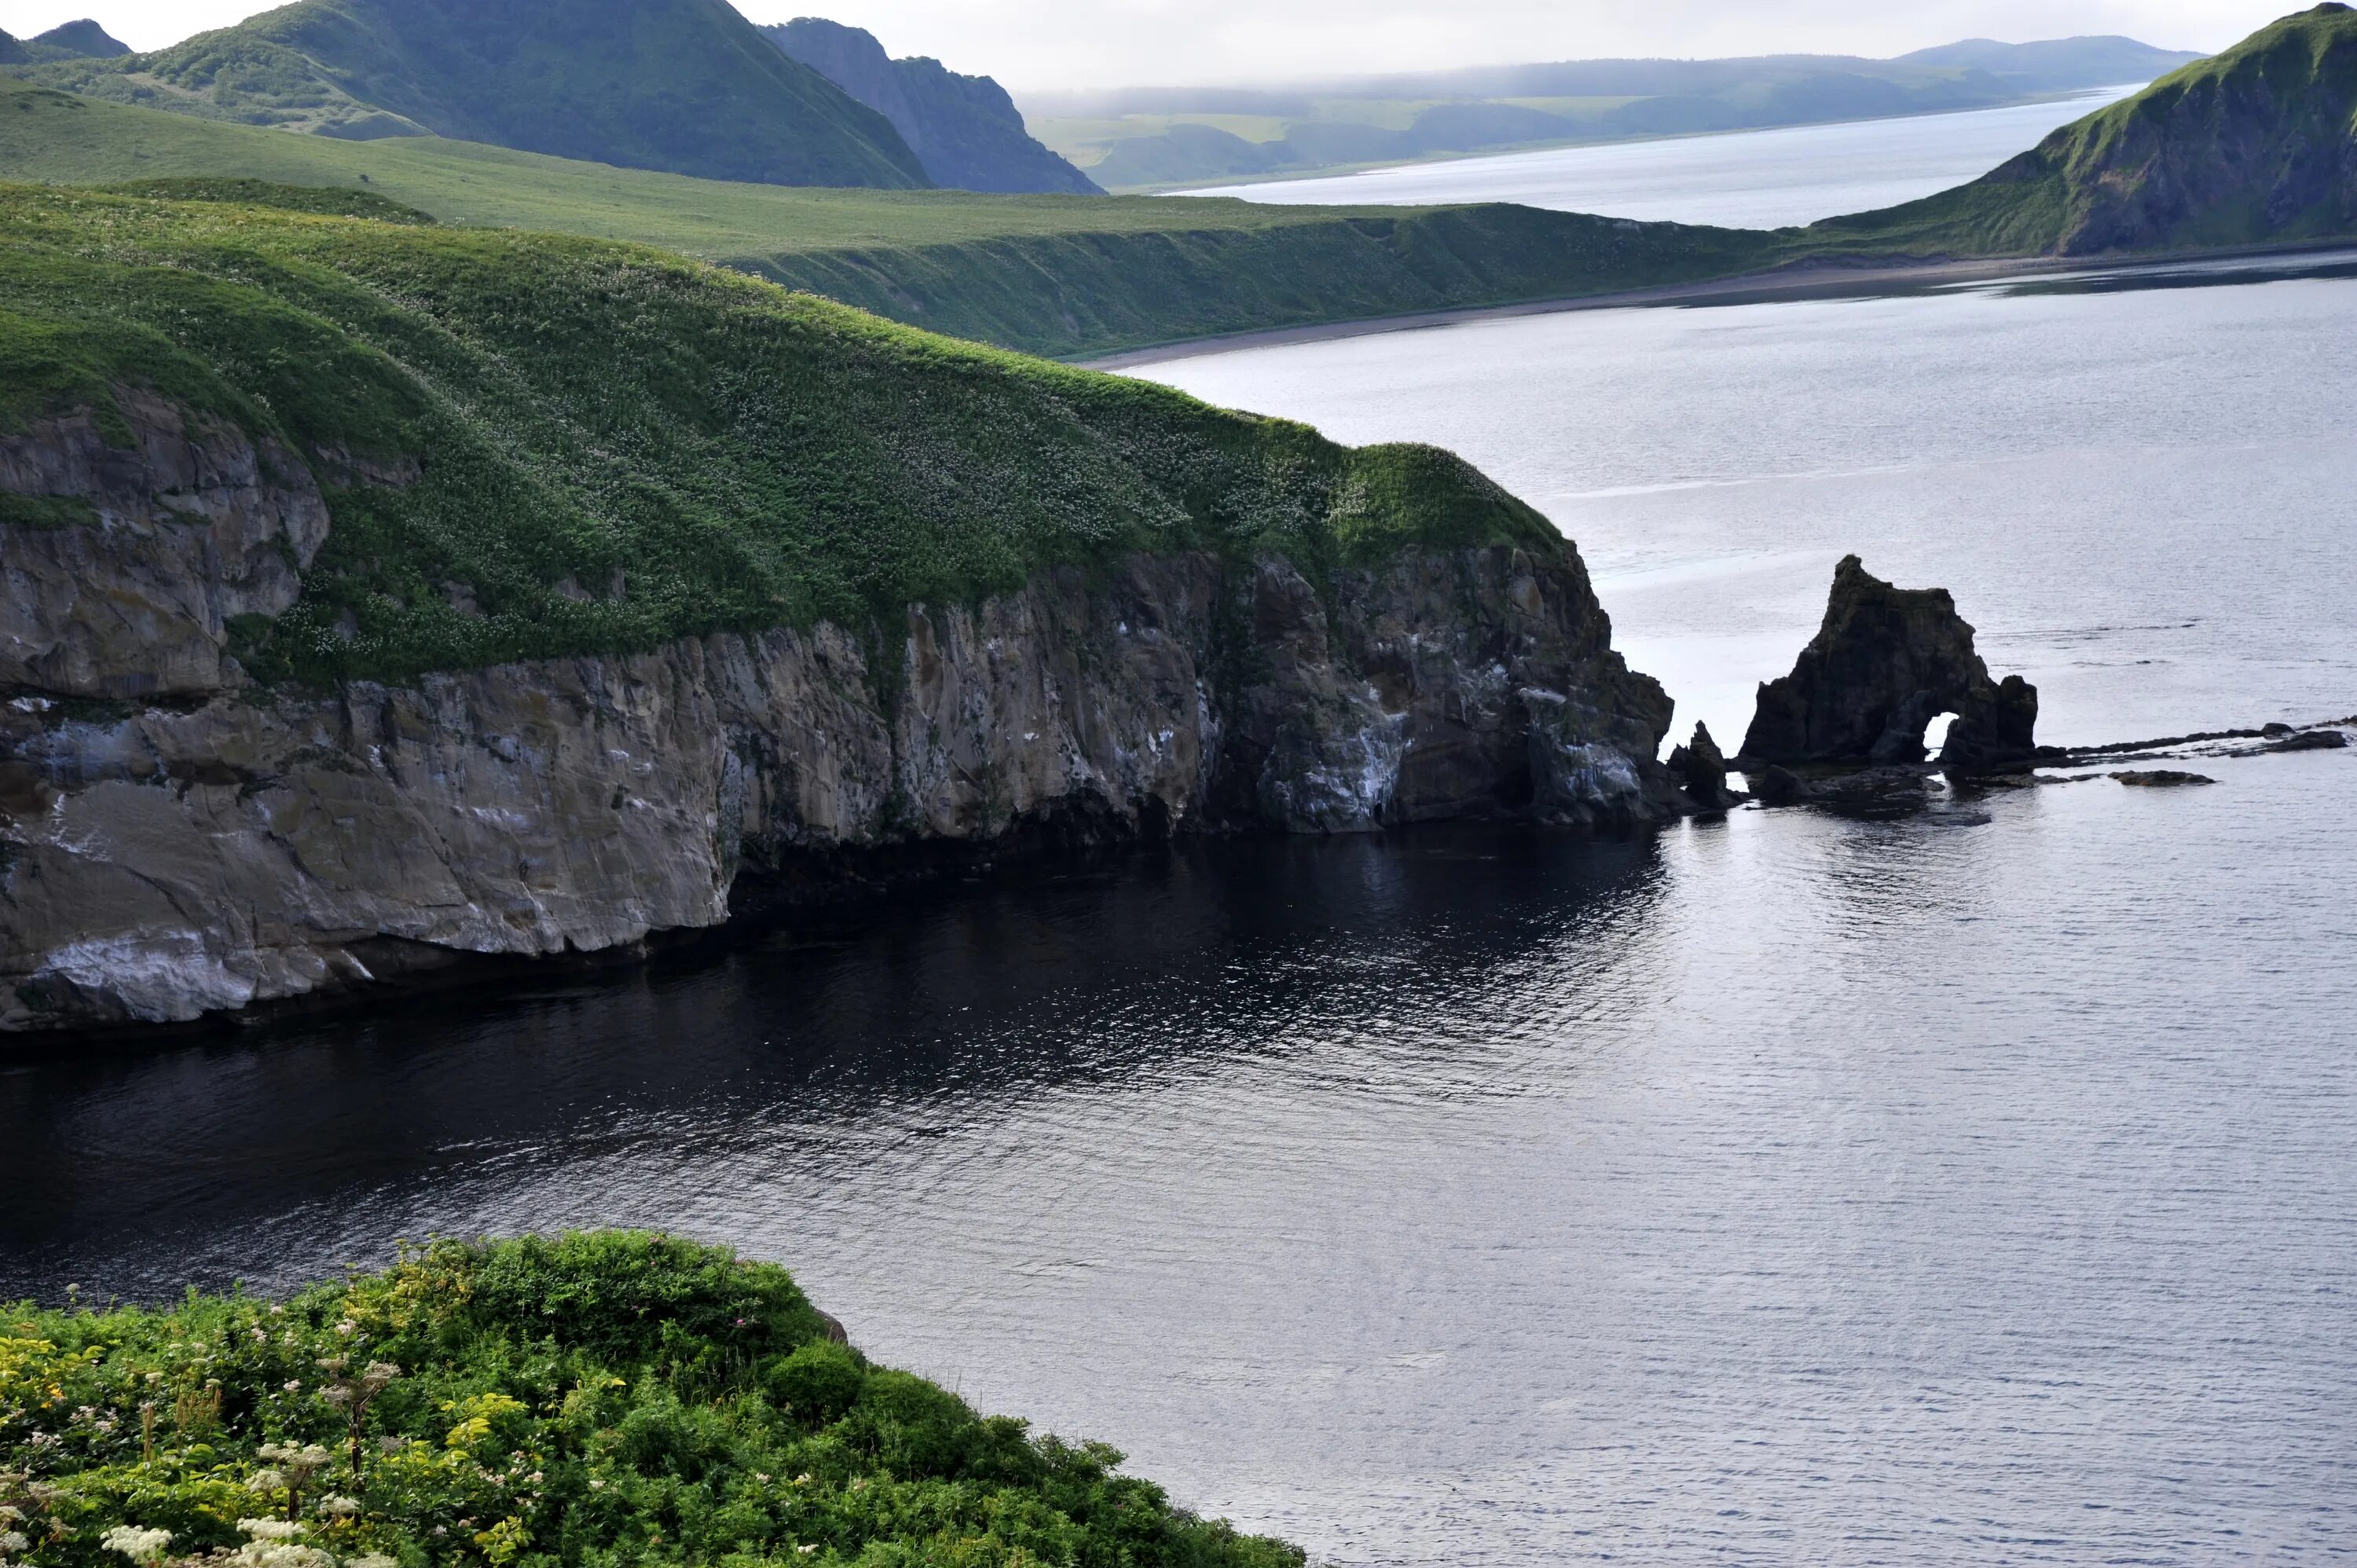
(169, 858)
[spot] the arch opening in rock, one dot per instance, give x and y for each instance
(1885, 664)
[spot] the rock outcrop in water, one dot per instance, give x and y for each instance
(1885, 664)
(176, 841)
(1701, 767)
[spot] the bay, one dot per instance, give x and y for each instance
(1743, 180)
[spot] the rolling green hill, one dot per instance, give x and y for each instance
(2255, 146)
(709, 452)
(965, 129)
(683, 85)
(1064, 275)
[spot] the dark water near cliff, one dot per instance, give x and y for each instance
(1975, 1188)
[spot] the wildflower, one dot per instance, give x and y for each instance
(372, 1560)
(13, 1541)
(270, 1529)
(335, 1505)
(346, 1327)
(293, 1385)
(266, 1481)
(596, 1483)
(142, 1546)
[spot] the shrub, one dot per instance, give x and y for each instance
(602, 1399)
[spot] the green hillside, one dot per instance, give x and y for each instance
(620, 447)
(586, 1400)
(683, 85)
(965, 129)
(1066, 276)
(2255, 146)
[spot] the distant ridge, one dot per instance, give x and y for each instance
(1142, 138)
(965, 129)
(2059, 65)
(687, 86)
(85, 38)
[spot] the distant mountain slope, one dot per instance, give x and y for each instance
(2255, 146)
(2059, 65)
(1057, 275)
(965, 129)
(1143, 138)
(684, 85)
(85, 38)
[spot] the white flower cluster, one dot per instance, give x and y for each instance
(273, 1544)
(142, 1546)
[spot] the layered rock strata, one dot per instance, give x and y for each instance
(1885, 662)
(175, 840)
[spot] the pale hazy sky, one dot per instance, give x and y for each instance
(1041, 43)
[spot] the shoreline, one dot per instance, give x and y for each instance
(1800, 281)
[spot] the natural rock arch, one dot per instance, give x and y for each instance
(1884, 663)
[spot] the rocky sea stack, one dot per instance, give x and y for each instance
(1884, 664)
(544, 610)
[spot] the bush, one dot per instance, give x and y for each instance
(602, 1399)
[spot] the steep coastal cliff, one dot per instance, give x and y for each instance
(300, 695)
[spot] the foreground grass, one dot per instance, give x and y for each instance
(1052, 275)
(601, 1398)
(610, 447)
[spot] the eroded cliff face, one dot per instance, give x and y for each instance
(177, 841)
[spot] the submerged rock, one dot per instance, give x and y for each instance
(2160, 777)
(2311, 740)
(1885, 662)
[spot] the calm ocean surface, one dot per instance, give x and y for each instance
(1975, 1188)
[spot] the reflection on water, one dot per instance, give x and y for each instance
(1051, 983)
(1976, 1187)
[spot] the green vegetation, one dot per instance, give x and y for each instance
(2255, 146)
(602, 1399)
(1157, 138)
(964, 128)
(683, 85)
(1050, 274)
(619, 447)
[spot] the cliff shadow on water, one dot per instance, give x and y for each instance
(288, 1145)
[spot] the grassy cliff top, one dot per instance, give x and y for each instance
(1056, 275)
(2255, 146)
(687, 85)
(598, 1399)
(621, 447)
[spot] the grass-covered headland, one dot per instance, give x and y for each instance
(588, 447)
(602, 1397)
